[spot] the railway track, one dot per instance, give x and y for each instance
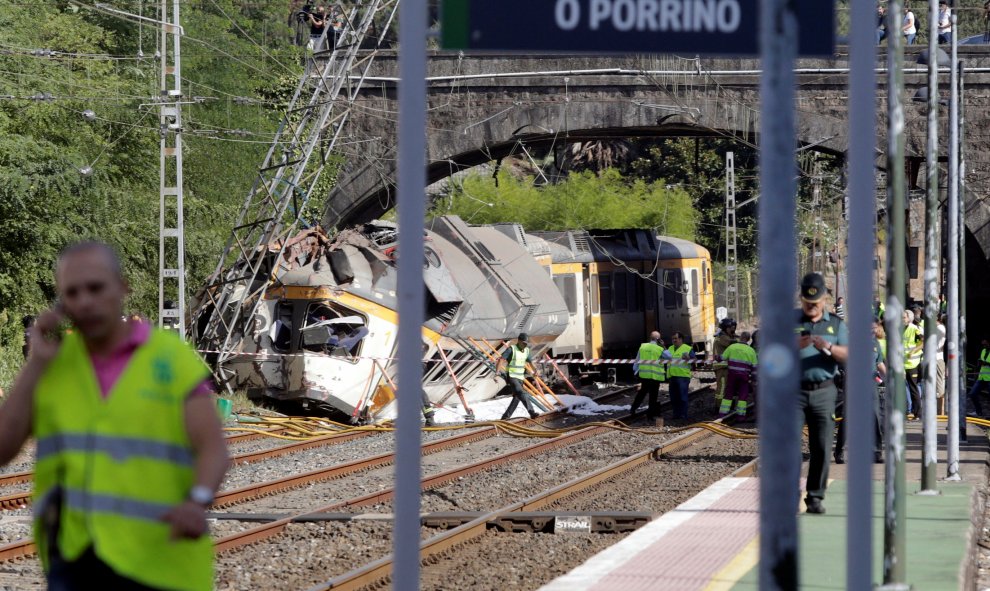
(378, 572)
(24, 548)
(23, 499)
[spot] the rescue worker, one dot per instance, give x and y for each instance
(651, 375)
(726, 336)
(741, 359)
(822, 347)
(516, 357)
(129, 444)
(914, 342)
(679, 375)
(879, 374)
(983, 378)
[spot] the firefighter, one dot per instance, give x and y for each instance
(726, 336)
(741, 360)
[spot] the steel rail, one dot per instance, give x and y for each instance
(380, 570)
(273, 528)
(26, 547)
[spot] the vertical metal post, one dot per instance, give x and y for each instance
(963, 340)
(929, 452)
(895, 559)
(780, 438)
(859, 304)
(731, 253)
(953, 384)
(412, 301)
(171, 266)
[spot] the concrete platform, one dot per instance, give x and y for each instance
(711, 541)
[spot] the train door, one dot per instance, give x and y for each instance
(594, 326)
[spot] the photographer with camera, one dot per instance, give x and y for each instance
(317, 24)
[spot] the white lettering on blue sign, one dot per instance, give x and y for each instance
(685, 16)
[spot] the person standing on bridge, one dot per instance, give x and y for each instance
(650, 370)
(909, 26)
(129, 445)
(822, 347)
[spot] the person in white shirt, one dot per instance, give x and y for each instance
(944, 22)
(909, 26)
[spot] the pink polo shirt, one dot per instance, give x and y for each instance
(109, 367)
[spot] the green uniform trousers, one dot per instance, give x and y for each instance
(817, 408)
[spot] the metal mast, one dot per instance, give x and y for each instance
(171, 239)
(313, 125)
(731, 253)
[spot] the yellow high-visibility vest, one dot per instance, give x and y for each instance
(122, 462)
(651, 371)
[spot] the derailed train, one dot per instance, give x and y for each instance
(325, 335)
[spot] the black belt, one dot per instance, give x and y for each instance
(817, 385)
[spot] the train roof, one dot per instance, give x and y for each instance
(587, 246)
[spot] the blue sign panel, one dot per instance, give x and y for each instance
(717, 27)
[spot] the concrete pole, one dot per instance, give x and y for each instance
(953, 384)
(929, 452)
(862, 215)
(412, 300)
(894, 542)
(780, 436)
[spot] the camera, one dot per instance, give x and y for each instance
(304, 12)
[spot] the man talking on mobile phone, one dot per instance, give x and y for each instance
(129, 445)
(822, 342)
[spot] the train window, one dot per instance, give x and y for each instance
(595, 309)
(332, 331)
(706, 276)
(634, 283)
(567, 287)
(620, 291)
(650, 294)
(673, 280)
(605, 291)
(435, 370)
(281, 332)
(694, 287)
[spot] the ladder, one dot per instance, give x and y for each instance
(171, 233)
(313, 125)
(731, 253)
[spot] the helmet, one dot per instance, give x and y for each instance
(727, 323)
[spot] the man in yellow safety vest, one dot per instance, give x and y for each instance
(914, 343)
(651, 372)
(726, 336)
(679, 374)
(983, 378)
(129, 445)
(515, 359)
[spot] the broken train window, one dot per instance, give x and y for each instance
(333, 330)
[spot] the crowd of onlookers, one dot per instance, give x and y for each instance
(318, 19)
(909, 22)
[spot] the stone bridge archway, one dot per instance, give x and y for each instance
(483, 107)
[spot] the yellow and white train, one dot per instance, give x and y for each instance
(325, 334)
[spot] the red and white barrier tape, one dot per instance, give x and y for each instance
(273, 355)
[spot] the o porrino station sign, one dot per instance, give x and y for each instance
(714, 27)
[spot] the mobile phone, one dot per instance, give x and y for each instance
(805, 332)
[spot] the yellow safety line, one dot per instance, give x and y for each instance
(743, 562)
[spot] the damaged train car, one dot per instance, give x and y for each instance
(325, 333)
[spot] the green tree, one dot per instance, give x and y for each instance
(583, 200)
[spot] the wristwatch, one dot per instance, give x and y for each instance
(201, 495)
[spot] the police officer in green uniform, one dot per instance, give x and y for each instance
(822, 343)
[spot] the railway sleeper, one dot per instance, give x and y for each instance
(560, 522)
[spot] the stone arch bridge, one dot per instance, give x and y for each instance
(486, 107)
